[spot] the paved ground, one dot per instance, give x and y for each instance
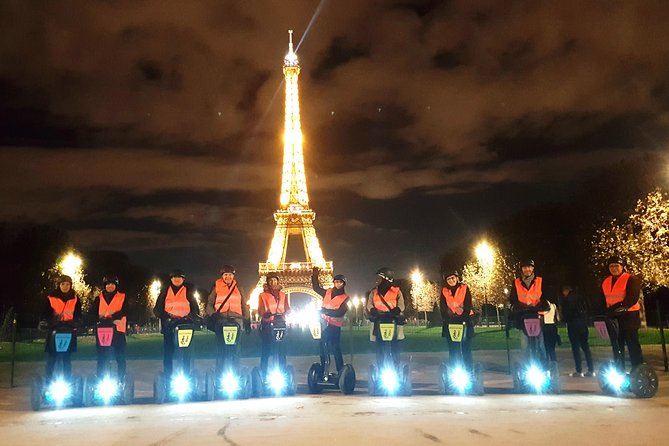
(580, 415)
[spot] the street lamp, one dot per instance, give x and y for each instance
(485, 256)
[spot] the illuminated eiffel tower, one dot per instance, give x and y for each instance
(294, 217)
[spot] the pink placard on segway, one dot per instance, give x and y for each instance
(105, 336)
(532, 327)
(602, 330)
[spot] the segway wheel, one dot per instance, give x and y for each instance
(314, 375)
(246, 384)
(36, 389)
(643, 381)
(443, 379)
(407, 387)
(347, 380)
(555, 378)
(291, 387)
(517, 382)
(478, 380)
(256, 382)
(78, 398)
(209, 387)
(128, 390)
(89, 391)
(159, 389)
(371, 380)
(604, 384)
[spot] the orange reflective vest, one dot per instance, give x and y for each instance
(177, 305)
(335, 303)
(529, 297)
(615, 292)
(456, 303)
(273, 305)
(63, 310)
(106, 310)
(234, 302)
(390, 298)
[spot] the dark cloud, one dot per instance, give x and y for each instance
(338, 53)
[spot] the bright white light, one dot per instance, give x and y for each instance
(71, 264)
(389, 379)
(356, 301)
(536, 377)
(180, 386)
(196, 295)
(303, 317)
(107, 389)
(277, 381)
(154, 291)
(459, 378)
(615, 379)
(59, 390)
(416, 277)
(230, 384)
(484, 253)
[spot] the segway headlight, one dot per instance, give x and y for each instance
(615, 379)
(536, 377)
(389, 380)
(180, 386)
(107, 389)
(460, 380)
(277, 381)
(230, 384)
(59, 391)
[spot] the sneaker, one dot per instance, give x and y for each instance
(576, 374)
(589, 374)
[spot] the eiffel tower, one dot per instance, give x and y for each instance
(294, 217)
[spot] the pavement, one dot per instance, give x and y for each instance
(580, 415)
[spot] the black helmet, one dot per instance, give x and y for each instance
(386, 274)
(450, 273)
(340, 277)
(177, 273)
(615, 259)
(228, 269)
(271, 276)
(64, 278)
(527, 262)
(110, 279)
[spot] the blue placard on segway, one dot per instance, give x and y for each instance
(62, 341)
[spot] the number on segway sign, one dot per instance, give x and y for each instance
(387, 331)
(62, 341)
(105, 336)
(184, 337)
(230, 335)
(456, 331)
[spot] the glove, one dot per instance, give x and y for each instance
(616, 310)
(395, 311)
(247, 327)
(374, 312)
(267, 315)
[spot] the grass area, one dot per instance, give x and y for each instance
(299, 343)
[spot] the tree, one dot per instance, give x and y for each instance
(424, 294)
(488, 280)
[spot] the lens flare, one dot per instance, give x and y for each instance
(180, 386)
(615, 379)
(459, 378)
(389, 380)
(536, 377)
(277, 381)
(230, 384)
(107, 389)
(59, 391)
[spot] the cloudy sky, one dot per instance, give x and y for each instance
(154, 126)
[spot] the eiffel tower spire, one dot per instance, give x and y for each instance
(294, 217)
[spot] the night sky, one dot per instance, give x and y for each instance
(154, 127)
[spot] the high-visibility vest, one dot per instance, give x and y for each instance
(234, 302)
(177, 305)
(390, 297)
(615, 292)
(273, 305)
(63, 309)
(106, 310)
(530, 297)
(456, 303)
(333, 303)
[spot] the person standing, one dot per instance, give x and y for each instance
(575, 312)
(272, 303)
(333, 309)
(620, 292)
(527, 296)
(551, 336)
(111, 305)
(455, 306)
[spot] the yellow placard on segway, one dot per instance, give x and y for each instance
(230, 334)
(456, 331)
(184, 336)
(315, 329)
(387, 331)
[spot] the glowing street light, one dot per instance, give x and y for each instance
(417, 276)
(71, 264)
(484, 254)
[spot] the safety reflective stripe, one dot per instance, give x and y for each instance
(390, 297)
(530, 297)
(335, 303)
(64, 310)
(456, 303)
(106, 310)
(615, 292)
(234, 302)
(177, 305)
(272, 305)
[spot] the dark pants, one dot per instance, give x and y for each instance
(466, 346)
(628, 334)
(394, 352)
(169, 347)
(331, 344)
(550, 341)
(578, 338)
(227, 356)
(267, 340)
(66, 359)
(118, 347)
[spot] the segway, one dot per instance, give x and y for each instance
(107, 388)
(455, 377)
(532, 375)
(642, 380)
(62, 390)
(182, 385)
(280, 378)
(387, 378)
(234, 381)
(319, 376)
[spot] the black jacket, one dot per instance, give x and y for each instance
(343, 308)
(159, 309)
(574, 307)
